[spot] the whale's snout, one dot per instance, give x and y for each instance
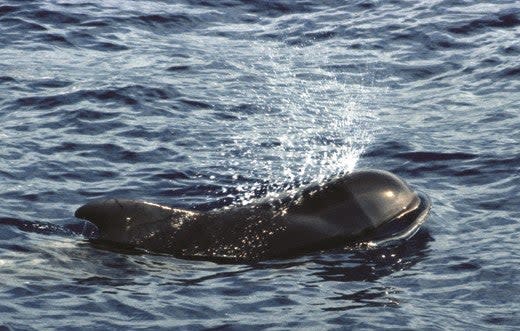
(393, 208)
(381, 195)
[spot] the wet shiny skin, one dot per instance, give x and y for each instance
(337, 213)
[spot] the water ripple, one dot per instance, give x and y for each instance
(202, 104)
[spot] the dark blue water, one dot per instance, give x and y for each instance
(200, 104)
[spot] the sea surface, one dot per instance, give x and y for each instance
(202, 104)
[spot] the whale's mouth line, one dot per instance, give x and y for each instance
(403, 226)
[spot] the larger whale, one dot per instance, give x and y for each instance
(362, 206)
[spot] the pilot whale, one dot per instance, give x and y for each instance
(359, 207)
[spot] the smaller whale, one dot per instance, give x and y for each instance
(362, 206)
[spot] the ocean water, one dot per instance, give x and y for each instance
(201, 104)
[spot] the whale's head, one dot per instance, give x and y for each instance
(367, 201)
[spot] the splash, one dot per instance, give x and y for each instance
(304, 123)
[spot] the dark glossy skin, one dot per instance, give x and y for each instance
(341, 211)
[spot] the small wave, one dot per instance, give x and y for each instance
(93, 115)
(320, 35)
(194, 103)
(506, 163)
(53, 17)
(48, 83)
(21, 26)
(6, 9)
(386, 148)
(511, 50)
(7, 79)
(88, 41)
(497, 20)
(433, 156)
(465, 266)
(98, 23)
(128, 95)
(178, 68)
(172, 175)
(510, 72)
(166, 19)
(159, 23)
(52, 39)
(278, 8)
